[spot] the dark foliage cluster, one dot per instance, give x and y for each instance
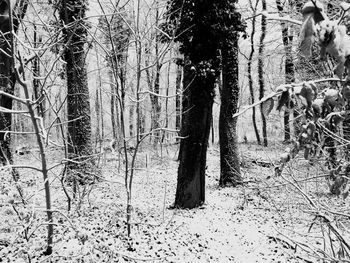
(202, 27)
(115, 31)
(72, 18)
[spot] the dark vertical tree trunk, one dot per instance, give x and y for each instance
(7, 83)
(7, 76)
(36, 74)
(261, 72)
(229, 156)
(288, 66)
(72, 14)
(250, 77)
(197, 106)
(213, 23)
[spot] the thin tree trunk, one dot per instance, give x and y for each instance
(229, 156)
(36, 74)
(261, 72)
(250, 77)
(197, 106)
(289, 66)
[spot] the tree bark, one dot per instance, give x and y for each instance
(7, 76)
(250, 77)
(229, 156)
(287, 39)
(38, 94)
(72, 14)
(197, 106)
(261, 72)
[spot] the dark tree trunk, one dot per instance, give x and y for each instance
(36, 74)
(288, 66)
(261, 72)
(250, 77)
(7, 83)
(72, 14)
(197, 106)
(229, 157)
(7, 76)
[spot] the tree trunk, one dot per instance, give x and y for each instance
(72, 14)
(197, 106)
(8, 77)
(250, 77)
(288, 66)
(229, 157)
(36, 74)
(261, 72)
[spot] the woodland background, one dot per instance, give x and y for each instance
(121, 208)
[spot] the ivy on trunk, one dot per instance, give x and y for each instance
(201, 28)
(72, 14)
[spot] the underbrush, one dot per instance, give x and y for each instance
(290, 218)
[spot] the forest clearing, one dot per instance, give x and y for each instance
(174, 131)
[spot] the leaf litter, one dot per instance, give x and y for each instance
(242, 224)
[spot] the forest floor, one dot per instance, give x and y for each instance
(268, 219)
